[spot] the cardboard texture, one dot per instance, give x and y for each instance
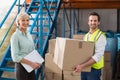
(52, 46)
(53, 76)
(107, 70)
(107, 56)
(107, 60)
(70, 75)
(79, 36)
(107, 65)
(70, 52)
(107, 74)
(50, 66)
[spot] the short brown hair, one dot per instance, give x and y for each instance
(95, 14)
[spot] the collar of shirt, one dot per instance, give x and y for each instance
(22, 32)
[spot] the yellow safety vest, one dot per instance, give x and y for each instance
(94, 37)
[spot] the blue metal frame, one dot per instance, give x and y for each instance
(5, 18)
(69, 20)
(63, 21)
(73, 21)
(8, 13)
(38, 22)
(51, 18)
(76, 20)
(41, 44)
(52, 25)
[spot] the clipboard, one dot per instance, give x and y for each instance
(33, 56)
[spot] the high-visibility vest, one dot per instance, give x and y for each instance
(94, 38)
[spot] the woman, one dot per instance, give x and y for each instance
(21, 45)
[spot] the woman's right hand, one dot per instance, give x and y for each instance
(35, 65)
(30, 63)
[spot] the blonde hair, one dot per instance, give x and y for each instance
(20, 16)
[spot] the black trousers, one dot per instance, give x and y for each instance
(22, 74)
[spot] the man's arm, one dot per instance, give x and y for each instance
(80, 67)
(99, 52)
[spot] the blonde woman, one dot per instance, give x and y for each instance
(22, 44)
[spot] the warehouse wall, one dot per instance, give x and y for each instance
(108, 19)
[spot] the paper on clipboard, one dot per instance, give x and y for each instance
(34, 56)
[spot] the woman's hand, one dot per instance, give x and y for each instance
(35, 65)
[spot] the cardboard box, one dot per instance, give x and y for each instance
(70, 52)
(79, 36)
(107, 74)
(107, 56)
(107, 60)
(52, 46)
(107, 65)
(53, 76)
(70, 75)
(50, 66)
(107, 70)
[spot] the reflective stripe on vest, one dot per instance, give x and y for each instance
(93, 38)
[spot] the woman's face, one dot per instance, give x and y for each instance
(23, 23)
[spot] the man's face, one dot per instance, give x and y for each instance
(93, 22)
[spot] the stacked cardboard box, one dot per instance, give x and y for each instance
(69, 52)
(52, 71)
(51, 48)
(107, 70)
(64, 55)
(70, 75)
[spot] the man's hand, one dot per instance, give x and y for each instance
(78, 68)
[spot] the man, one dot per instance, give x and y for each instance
(97, 60)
